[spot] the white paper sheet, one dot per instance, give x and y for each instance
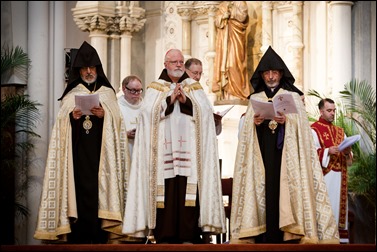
(224, 112)
(348, 142)
(86, 102)
(283, 103)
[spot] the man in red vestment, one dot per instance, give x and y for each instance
(334, 163)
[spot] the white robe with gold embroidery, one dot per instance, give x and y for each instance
(146, 184)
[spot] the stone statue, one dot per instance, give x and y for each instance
(230, 67)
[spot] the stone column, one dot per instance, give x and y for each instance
(266, 25)
(296, 46)
(39, 88)
(210, 55)
(185, 11)
(125, 58)
(98, 39)
(131, 20)
(114, 42)
(186, 36)
(340, 45)
(97, 18)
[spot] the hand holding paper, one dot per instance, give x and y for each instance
(348, 142)
(86, 102)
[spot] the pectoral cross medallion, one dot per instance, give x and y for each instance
(273, 125)
(87, 124)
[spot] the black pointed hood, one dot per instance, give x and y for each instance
(272, 61)
(86, 56)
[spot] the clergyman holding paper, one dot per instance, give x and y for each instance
(327, 138)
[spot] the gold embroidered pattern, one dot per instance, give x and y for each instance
(160, 87)
(192, 87)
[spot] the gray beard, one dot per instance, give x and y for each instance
(90, 82)
(176, 73)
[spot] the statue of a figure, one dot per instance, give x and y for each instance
(230, 73)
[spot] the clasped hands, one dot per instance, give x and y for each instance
(178, 94)
(96, 110)
(258, 119)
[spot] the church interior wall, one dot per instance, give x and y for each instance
(172, 24)
(74, 36)
(282, 37)
(362, 37)
(163, 30)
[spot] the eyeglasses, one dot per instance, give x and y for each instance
(134, 91)
(176, 62)
(195, 73)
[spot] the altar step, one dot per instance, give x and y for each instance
(191, 247)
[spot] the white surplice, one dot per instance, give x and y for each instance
(130, 114)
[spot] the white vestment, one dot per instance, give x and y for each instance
(130, 114)
(149, 169)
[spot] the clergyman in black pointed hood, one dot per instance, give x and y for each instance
(277, 169)
(83, 191)
(272, 61)
(86, 56)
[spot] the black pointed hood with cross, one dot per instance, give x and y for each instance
(272, 61)
(86, 56)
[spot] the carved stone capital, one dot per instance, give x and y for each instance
(131, 18)
(93, 15)
(194, 9)
(109, 17)
(131, 24)
(91, 23)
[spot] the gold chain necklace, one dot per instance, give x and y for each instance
(94, 89)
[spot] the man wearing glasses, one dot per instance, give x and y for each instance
(130, 103)
(194, 68)
(174, 189)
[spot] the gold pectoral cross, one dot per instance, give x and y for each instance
(135, 122)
